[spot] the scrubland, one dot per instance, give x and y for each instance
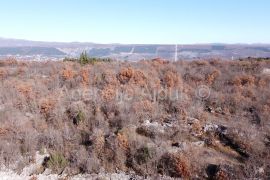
(206, 119)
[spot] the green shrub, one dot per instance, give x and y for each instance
(85, 59)
(56, 162)
(80, 117)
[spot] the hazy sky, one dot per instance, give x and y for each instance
(137, 21)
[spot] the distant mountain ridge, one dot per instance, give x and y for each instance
(29, 51)
(9, 42)
(21, 47)
(6, 42)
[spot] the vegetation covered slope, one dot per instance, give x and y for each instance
(207, 119)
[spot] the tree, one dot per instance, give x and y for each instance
(84, 59)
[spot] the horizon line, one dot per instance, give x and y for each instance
(117, 43)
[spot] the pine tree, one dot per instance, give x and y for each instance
(84, 58)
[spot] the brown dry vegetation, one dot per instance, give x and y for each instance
(145, 117)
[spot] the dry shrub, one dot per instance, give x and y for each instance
(234, 103)
(266, 109)
(125, 75)
(98, 141)
(174, 165)
(159, 61)
(68, 74)
(247, 80)
(21, 70)
(139, 78)
(236, 81)
(3, 131)
(215, 62)
(25, 89)
(211, 77)
(193, 78)
(263, 81)
(248, 66)
(110, 77)
(10, 62)
(171, 79)
(85, 77)
(154, 84)
(108, 94)
(107, 77)
(249, 93)
(143, 106)
(199, 63)
(47, 105)
(3, 73)
(113, 156)
(243, 80)
(122, 141)
(128, 91)
(158, 64)
(196, 128)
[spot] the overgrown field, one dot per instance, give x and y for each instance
(198, 119)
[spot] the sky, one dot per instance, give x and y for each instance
(137, 21)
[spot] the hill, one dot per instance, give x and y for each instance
(28, 51)
(135, 52)
(154, 119)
